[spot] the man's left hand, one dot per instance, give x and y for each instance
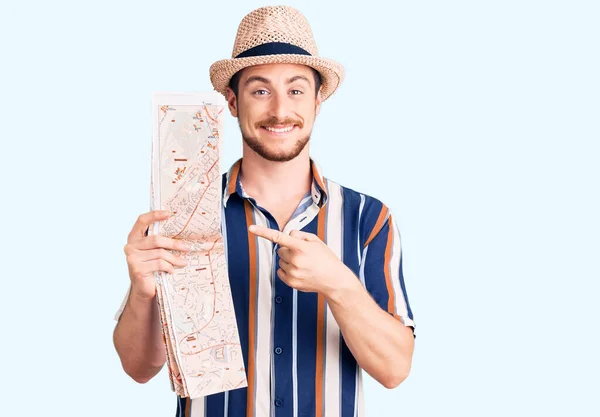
(306, 263)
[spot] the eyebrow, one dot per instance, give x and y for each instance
(257, 78)
(298, 77)
(267, 81)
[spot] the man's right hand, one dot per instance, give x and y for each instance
(148, 254)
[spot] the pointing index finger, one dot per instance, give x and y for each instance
(275, 236)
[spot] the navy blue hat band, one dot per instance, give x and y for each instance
(273, 48)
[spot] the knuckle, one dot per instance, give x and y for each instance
(150, 267)
(130, 260)
(135, 271)
(169, 256)
(166, 266)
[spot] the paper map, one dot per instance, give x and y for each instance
(204, 355)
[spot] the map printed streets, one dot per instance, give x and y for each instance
(204, 355)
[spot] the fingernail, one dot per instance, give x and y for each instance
(252, 228)
(167, 213)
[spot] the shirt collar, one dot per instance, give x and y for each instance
(234, 185)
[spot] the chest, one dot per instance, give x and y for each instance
(287, 336)
(281, 211)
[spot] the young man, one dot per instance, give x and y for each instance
(315, 268)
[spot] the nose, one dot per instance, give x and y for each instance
(278, 106)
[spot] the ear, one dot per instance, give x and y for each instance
(318, 102)
(232, 102)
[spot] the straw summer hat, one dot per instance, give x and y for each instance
(275, 35)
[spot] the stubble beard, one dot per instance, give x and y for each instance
(263, 151)
(275, 156)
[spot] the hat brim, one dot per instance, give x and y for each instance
(332, 73)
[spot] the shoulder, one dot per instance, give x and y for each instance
(370, 213)
(224, 179)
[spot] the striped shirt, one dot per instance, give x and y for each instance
(297, 362)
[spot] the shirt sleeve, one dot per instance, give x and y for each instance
(123, 304)
(381, 270)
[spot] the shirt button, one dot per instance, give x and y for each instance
(278, 350)
(278, 403)
(278, 299)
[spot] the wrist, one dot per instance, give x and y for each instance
(345, 287)
(138, 305)
(138, 295)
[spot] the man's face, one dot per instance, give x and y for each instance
(276, 108)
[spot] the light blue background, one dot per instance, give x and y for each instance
(477, 122)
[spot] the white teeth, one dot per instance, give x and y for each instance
(283, 130)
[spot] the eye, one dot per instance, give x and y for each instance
(261, 92)
(296, 92)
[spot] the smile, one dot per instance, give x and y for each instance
(282, 129)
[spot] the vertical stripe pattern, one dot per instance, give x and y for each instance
(401, 307)
(321, 311)
(252, 314)
(295, 353)
(334, 239)
(196, 408)
(297, 361)
(391, 307)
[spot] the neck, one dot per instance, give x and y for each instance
(267, 180)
